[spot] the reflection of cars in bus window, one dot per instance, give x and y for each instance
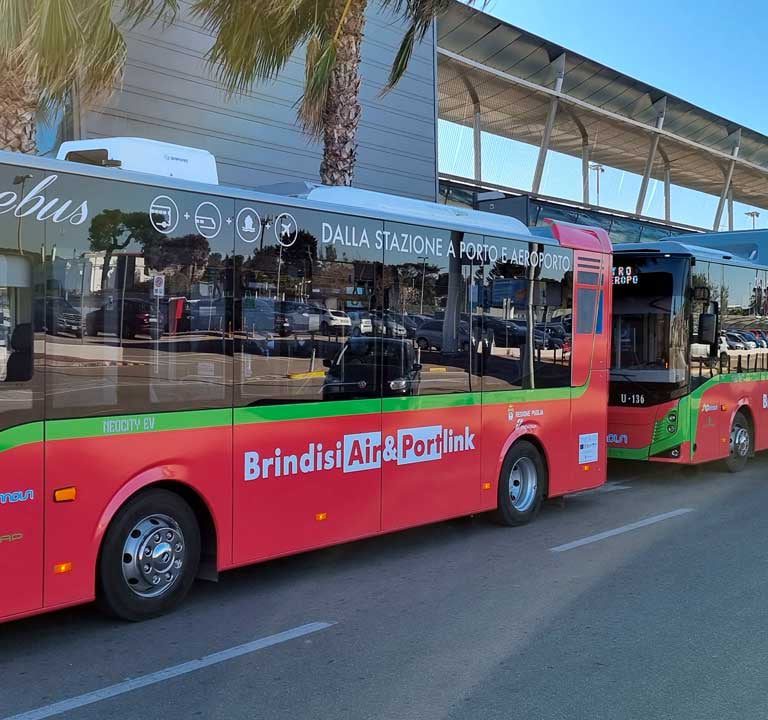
(126, 317)
(355, 370)
(58, 315)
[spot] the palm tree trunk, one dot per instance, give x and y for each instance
(18, 109)
(341, 114)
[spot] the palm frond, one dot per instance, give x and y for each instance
(419, 16)
(321, 58)
(16, 15)
(254, 39)
(156, 11)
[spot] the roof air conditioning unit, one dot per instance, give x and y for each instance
(144, 156)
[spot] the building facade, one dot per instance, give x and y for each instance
(170, 94)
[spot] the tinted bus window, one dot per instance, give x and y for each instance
(137, 290)
(528, 298)
(308, 304)
(429, 302)
(21, 280)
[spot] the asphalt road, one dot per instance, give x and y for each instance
(457, 620)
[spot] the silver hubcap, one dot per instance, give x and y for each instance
(739, 441)
(153, 555)
(523, 484)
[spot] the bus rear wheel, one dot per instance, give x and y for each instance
(740, 443)
(149, 557)
(522, 484)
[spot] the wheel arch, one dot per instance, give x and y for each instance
(533, 440)
(744, 407)
(209, 535)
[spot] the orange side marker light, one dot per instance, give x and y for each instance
(321, 516)
(61, 568)
(487, 486)
(67, 494)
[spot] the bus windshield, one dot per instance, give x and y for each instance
(649, 321)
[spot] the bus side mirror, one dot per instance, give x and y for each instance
(707, 328)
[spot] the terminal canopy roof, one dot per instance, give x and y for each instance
(511, 77)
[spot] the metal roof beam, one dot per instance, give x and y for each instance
(661, 110)
(575, 102)
(538, 173)
(728, 177)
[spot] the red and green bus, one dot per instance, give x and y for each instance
(194, 378)
(689, 360)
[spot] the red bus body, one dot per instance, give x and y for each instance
(49, 549)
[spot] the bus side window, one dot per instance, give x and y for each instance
(16, 333)
(586, 311)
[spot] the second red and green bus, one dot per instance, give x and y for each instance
(689, 361)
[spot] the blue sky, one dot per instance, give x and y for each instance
(709, 53)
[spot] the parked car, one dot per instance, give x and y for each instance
(302, 317)
(735, 341)
(126, 317)
(334, 321)
(430, 335)
(514, 333)
(58, 316)
(752, 337)
(356, 371)
(387, 324)
(362, 324)
(748, 344)
(264, 315)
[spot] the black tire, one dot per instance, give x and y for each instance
(325, 328)
(423, 343)
(523, 457)
(741, 443)
(120, 596)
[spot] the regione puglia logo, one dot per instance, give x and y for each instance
(34, 202)
(361, 451)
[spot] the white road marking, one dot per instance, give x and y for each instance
(620, 530)
(59, 708)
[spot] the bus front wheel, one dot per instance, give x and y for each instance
(149, 557)
(522, 484)
(740, 443)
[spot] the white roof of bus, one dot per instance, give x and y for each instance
(674, 247)
(350, 197)
(309, 195)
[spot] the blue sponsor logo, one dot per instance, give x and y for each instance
(18, 496)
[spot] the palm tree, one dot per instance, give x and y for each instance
(254, 41)
(46, 48)
(57, 46)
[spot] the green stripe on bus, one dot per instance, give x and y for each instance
(21, 435)
(107, 426)
(139, 423)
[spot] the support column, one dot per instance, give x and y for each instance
(728, 178)
(661, 109)
(477, 136)
(730, 209)
(667, 193)
(585, 171)
(548, 126)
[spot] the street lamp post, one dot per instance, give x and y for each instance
(599, 170)
(754, 214)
